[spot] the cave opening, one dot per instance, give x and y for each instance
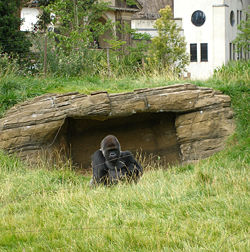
(150, 134)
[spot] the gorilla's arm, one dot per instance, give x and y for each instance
(129, 160)
(100, 171)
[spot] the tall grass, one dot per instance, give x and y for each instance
(235, 72)
(191, 208)
(234, 80)
(15, 88)
(197, 207)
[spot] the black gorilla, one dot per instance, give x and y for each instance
(111, 165)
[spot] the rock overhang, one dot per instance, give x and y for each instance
(200, 120)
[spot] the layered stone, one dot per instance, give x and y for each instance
(178, 123)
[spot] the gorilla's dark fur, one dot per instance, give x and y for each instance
(111, 165)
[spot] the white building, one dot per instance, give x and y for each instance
(29, 17)
(209, 27)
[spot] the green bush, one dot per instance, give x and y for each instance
(12, 40)
(168, 48)
(78, 63)
(15, 89)
(233, 79)
(234, 73)
(85, 61)
(8, 65)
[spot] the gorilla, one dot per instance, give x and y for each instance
(111, 165)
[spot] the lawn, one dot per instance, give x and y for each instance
(197, 207)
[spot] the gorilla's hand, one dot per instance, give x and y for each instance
(117, 172)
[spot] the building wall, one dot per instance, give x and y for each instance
(144, 26)
(217, 31)
(239, 9)
(198, 34)
(143, 21)
(147, 26)
(112, 2)
(30, 17)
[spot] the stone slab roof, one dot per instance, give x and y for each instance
(203, 118)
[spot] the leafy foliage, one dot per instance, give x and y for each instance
(45, 16)
(131, 2)
(168, 49)
(77, 22)
(12, 40)
(242, 40)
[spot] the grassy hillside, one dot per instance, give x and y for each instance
(192, 208)
(199, 207)
(14, 89)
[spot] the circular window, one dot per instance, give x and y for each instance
(232, 18)
(198, 18)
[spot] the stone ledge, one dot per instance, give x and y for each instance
(202, 118)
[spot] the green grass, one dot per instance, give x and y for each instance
(197, 207)
(14, 89)
(192, 208)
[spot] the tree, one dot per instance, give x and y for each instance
(168, 49)
(45, 16)
(78, 22)
(242, 40)
(12, 40)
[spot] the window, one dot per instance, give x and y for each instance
(238, 17)
(230, 51)
(247, 53)
(241, 53)
(204, 56)
(193, 52)
(232, 18)
(198, 18)
(233, 51)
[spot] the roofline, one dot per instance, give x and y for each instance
(124, 9)
(138, 4)
(31, 4)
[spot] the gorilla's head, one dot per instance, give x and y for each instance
(111, 149)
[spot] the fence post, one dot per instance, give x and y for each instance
(45, 54)
(108, 62)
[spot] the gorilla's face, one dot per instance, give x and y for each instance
(111, 149)
(112, 155)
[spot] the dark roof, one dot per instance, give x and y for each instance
(150, 8)
(123, 6)
(32, 3)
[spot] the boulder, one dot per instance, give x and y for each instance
(177, 123)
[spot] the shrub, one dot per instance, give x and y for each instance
(168, 49)
(12, 40)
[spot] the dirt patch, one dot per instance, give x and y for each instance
(147, 133)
